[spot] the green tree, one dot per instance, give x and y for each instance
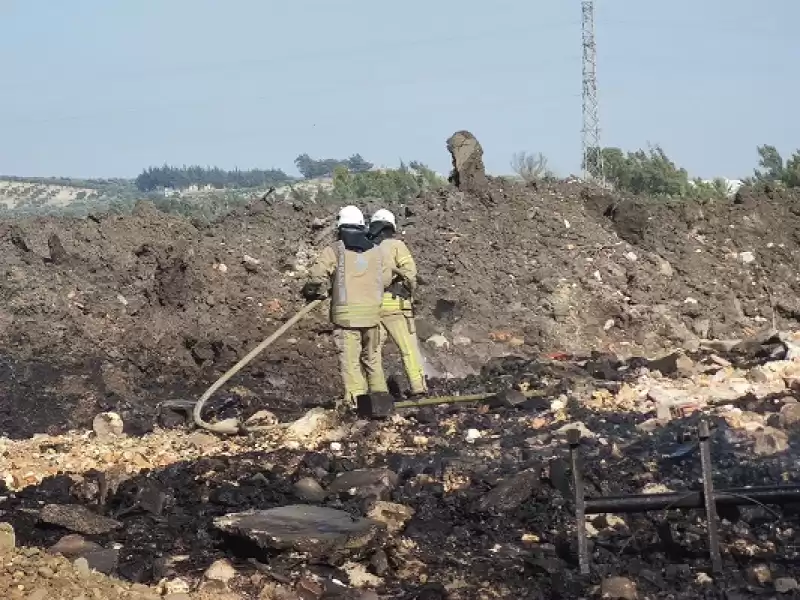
(775, 170)
(644, 172)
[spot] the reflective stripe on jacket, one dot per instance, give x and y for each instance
(397, 255)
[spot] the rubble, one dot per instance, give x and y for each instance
(304, 528)
(77, 518)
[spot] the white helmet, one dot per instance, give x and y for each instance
(384, 216)
(350, 215)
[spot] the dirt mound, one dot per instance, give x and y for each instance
(469, 173)
(123, 312)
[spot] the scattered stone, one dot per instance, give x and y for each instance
(509, 398)
(790, 415)
(220, 570)
(304, 528)
(676, 363)
(107, 425)
(438, 341)
(359, 576)
(75, 546)
(770, 441)
(8, 539)
(618, 588)
(379, 563)
(704, 579)
(314, 422)
(580, 426)
(472, 435)
(393, 515)
(309, 490)
(364, 483)
(784, 585)
(511, 493)
(82, 566)
(746, 257)
(759, 574)
(77, 518)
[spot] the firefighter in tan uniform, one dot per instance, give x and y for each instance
(397, 312)
(353, 269)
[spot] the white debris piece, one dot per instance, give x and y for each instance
(746, 257)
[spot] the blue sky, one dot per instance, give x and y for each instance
(98, 88)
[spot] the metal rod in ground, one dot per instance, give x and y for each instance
(708, 496)
(782, 494)
(456, 399)
(574, 439)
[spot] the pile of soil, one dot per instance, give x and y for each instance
(123, 312)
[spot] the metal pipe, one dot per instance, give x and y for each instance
(693, 499)
(470, 398)
(704, 434)
(574, 439)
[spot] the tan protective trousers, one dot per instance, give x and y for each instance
(360, 361)
(401, 329)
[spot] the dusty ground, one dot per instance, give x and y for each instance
(556, 287)
(138, 309)
(476, 500)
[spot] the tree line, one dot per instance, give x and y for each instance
(652, 172)
(154, 178)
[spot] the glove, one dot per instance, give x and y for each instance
(399, 290)
(313, 290)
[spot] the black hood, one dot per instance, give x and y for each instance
(379, 231)
(355, 238)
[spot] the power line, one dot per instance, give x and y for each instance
(592, 156)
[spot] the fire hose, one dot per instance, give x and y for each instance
(233, 426)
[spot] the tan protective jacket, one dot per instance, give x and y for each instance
(397, 255)
(358, 280)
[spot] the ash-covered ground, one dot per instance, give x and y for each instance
(621, 311)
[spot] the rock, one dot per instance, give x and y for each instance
(309, 490)
(665, 268)
(359, 576)
(308, 589)
(220, 570)
(303, 528)
(790, 415)
(759, 574)
(770, 441)
(469, 173)
(175, 586)
(379, 563)
(8, 539)
(619, 588)
(77, 518)
(393, 515)
(107, 425)
(676, 363)
(746, 257)
(511, 493)
(314, 422)
(584, 431)
(784, 585)
(508, 399)
(438, 341)
(461, 340)
(82, 566)
(472, 435)
(75, 546)
(262, 418)
(364, 482)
